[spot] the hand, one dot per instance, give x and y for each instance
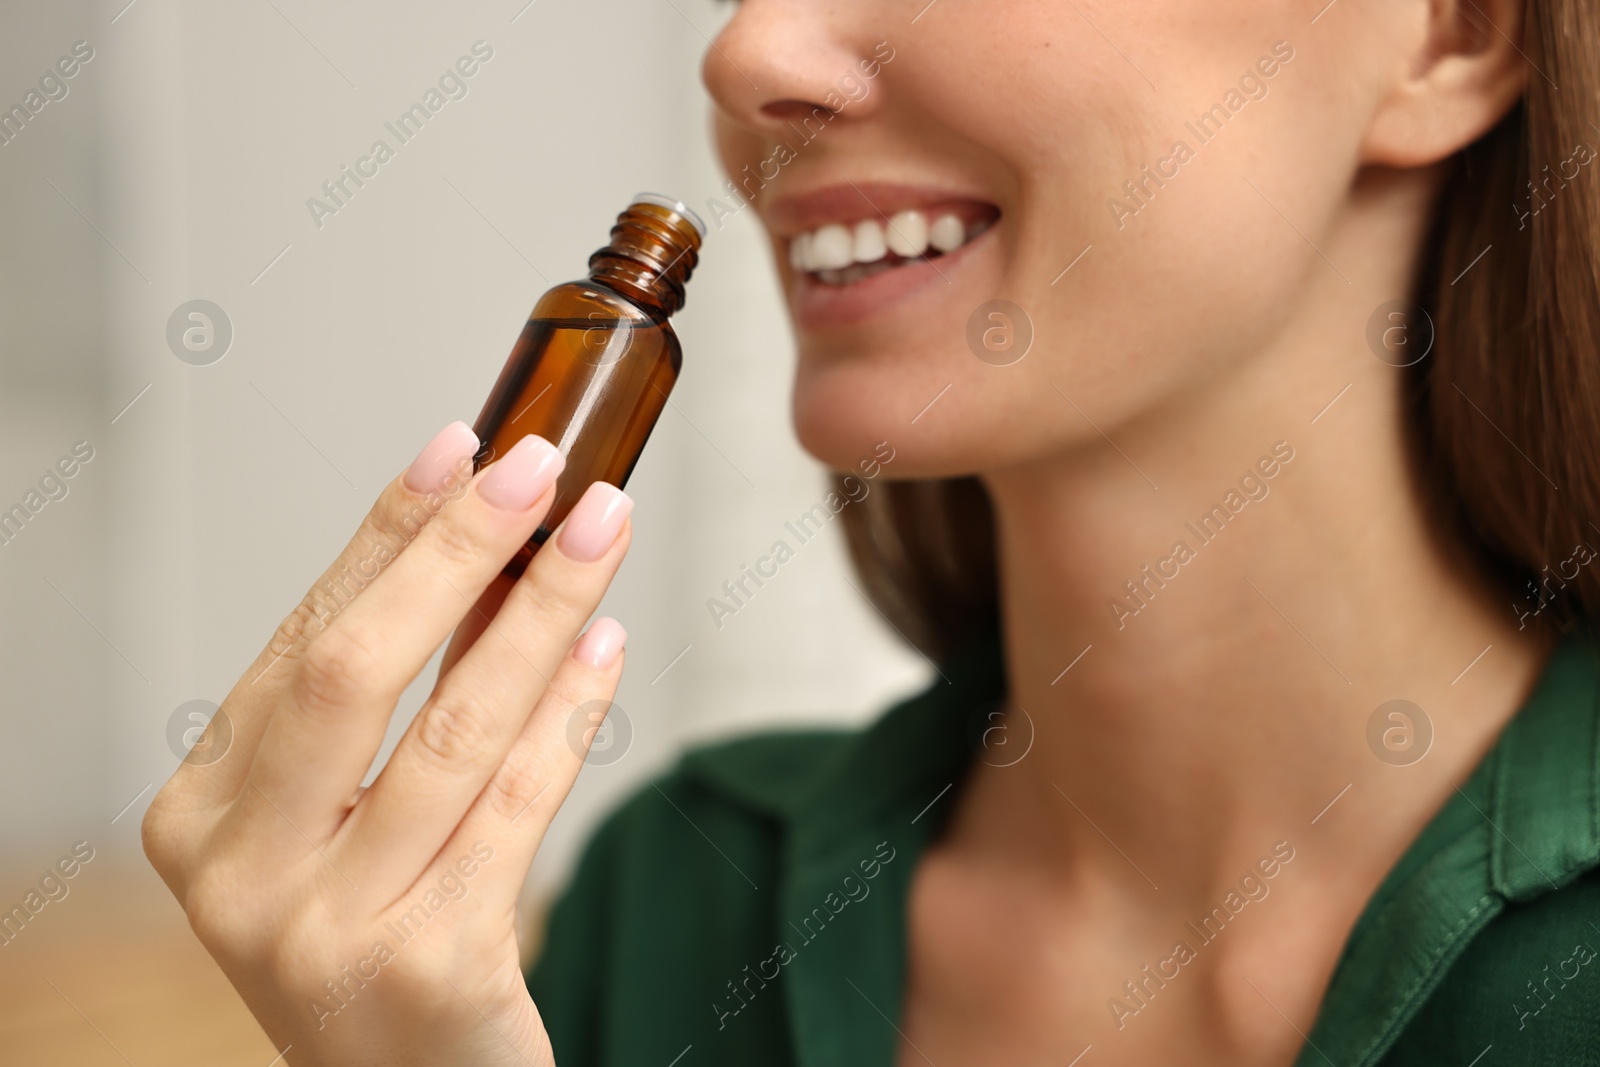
(376, 926)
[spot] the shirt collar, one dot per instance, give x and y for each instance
(1544, 779)
(1527, 821)
(886, 793)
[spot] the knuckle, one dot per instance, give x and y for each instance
(213, 904)
(305, 619)
(155, 834)
(457, 542)
(514, 788)
(394, 523)
(298, 955)
(416, 979)
(564, 700)
(337, 670)
(552, 602)
(344, 581)
(454, 730)
(565, 691)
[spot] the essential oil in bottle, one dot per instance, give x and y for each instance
(597, 358)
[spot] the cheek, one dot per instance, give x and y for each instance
(736, 147)
(1186, 283)
(1203, 243)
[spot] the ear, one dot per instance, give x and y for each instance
(1468, 73)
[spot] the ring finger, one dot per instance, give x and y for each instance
(513, 811)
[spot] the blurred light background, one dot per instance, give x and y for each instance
(177, 166)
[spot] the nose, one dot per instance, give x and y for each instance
(777, 61)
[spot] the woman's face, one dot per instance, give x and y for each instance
(1156, 188)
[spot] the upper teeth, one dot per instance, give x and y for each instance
(907, 234)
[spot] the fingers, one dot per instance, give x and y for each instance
(476, 622)
(438, 475)
(514, 809)
(462, 734)
(331, 719)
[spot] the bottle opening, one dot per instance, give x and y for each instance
(673, 205)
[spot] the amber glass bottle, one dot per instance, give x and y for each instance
(597, 358)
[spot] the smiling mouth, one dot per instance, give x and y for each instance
(842, 253)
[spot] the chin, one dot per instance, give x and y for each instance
(847, 412)
(886, 357)
(838, 418)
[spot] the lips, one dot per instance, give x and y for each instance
(856, 248)
(839, 253)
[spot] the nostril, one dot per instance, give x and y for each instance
(790, 110)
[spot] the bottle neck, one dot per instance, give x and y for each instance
(652, 253)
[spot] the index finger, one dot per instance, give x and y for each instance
(330, 723)
(439, 474)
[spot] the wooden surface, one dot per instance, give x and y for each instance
(112, 975)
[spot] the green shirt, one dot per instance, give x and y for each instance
(749, 907)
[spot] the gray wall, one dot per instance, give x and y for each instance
(190, 144)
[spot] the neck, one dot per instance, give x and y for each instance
(1205, 607)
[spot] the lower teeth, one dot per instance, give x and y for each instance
(855, 272)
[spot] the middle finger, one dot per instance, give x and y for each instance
(332, 717)
(463, 733)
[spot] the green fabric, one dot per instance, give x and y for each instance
(749, 906)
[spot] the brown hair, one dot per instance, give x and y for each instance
(1504, 411)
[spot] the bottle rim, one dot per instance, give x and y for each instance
(660, 200)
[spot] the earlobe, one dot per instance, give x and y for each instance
(1468, 73)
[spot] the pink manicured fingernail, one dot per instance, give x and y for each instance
(522, 475)
(444, 457)
(601, 645)
(594, 522)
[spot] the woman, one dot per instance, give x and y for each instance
(1243, 423)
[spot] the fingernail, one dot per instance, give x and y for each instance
(594, 522)
(522, 475)
(600, 646)
(440, 461)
